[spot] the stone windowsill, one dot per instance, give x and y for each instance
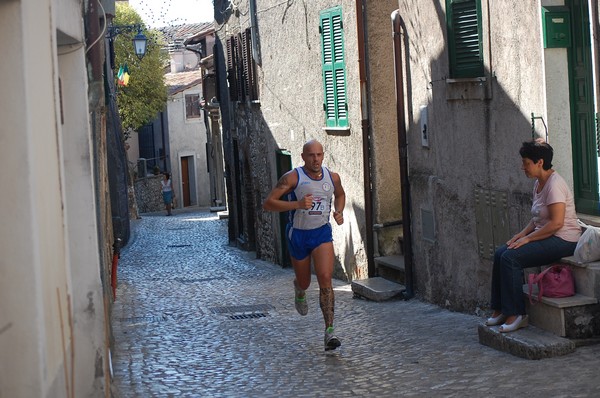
(343, 131)
(476, 88)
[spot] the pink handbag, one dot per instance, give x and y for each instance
(554, 281)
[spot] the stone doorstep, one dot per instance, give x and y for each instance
(396, 262)
(586, 276)
(549, 313)
(376, 289)
(589, 219)
(528, 343)
(563, 302)
(391, 268)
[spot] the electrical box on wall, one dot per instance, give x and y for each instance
(556, 25)
(491, 216)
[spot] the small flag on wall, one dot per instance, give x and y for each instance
(123, 75)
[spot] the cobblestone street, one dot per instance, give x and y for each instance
(195, 317)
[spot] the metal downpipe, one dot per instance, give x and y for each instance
(403, 150)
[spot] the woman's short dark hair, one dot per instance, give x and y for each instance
(536, 150)
(167, 175)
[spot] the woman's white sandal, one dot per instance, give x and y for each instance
(521, 322)
(499, 320)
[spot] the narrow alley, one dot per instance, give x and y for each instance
(194, 317)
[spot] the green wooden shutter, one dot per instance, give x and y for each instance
(583, 136)
(334, 68)
(463, 18)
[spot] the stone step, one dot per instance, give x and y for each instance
(395, 262)
(589, 219)
(529, 343)
(376, 289)
(391, 268)
(586, 276)
(575, 317)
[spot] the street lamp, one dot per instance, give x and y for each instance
(139, 41)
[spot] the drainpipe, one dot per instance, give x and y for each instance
(93, 33)
(403, 150)
(365, 126)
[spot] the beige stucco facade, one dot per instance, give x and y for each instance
(187, 143)
(52, 311)
(384, 151)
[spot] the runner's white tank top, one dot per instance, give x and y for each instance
(322, 191)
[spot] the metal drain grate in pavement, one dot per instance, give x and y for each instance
(137, 319)
(199, 280)
(176, 246)
(233, 309)
(253, 315)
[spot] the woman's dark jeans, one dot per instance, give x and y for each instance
(507, 274)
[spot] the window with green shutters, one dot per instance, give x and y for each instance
(334, 68)
(463, 19)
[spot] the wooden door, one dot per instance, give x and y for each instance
(185, 181)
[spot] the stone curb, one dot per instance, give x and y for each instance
(528, 343)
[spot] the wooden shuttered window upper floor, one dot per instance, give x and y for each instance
(335, 102)
(241, 68)
(465, 45)
(192, 106)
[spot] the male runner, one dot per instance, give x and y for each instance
(310, 189)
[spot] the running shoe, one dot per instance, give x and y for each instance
(300, 300)
(331, 342)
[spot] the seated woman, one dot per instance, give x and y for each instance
(551, 234)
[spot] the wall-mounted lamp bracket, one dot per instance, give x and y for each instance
(140, 41)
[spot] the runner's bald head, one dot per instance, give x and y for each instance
(310, 144)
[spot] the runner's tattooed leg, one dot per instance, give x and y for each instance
(326, 301)
(299, 292)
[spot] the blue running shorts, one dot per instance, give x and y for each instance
(301, 242)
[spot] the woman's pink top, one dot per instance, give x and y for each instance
(555, 191)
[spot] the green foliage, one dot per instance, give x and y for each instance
(146, 94)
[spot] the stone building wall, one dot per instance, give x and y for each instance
(474, 131)
(288, 112)
(148, 194)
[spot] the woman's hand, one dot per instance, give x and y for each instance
(514, 239)
(522, 238)
(518, 242)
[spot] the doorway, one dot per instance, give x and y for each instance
(238, 191)
(583, 118)
(284, 164)
(186, 161)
